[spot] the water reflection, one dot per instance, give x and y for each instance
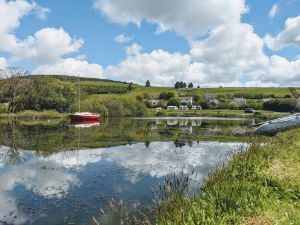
(59, 174)
(50, 136)
(128, 172)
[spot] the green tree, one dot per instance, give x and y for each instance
(13, 85)
(177, 85)
(130, 86)
(204, 104)
(190, 85)
(166, 95)
(181, 84)
(148, 83)
(174, 101)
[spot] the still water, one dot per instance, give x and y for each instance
(52, 172)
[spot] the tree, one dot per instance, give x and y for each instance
(166, 95)
(191, 85)
(177, 85)
(181, 85)
(130, 86)
(184, 85)
(174, 101)
(148, 83)
(13, 86)
(198, 86)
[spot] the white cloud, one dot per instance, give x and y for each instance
(71, 66)
(289, 36)
(134, 49)
(274, 10)
(46, 46)
(40, 12)
(11, 12)
(224, 58)
(3, 63)
(122, 38)
(191, 18)
(160, 67)
(228, 53)
(283, 72)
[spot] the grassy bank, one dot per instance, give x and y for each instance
(263, 114)
(260, 186)
(28, 114)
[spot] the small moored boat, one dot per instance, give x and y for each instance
(84, 116)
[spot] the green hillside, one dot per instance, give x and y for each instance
(60, 93)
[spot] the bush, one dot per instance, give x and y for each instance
(174, 101)
(114, 107)
(166, 95)
(204, 104)
(3, 108)
(280, 105)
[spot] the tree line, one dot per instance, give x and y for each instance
(181, 84)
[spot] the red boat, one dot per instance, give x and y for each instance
(84, 116)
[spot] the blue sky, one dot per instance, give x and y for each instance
(232, 44)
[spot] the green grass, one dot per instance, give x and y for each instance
(218, 113)
(277, 92)
(47, 114)
(260, 186)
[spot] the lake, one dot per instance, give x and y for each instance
(53, 172)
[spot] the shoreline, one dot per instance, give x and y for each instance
(258, 186)
(152, 113)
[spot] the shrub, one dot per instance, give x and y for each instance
(204, 104)
(280, 105)
(3, 108)
(166, 95)
(114, 107)
(174, 101)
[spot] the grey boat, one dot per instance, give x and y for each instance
(274, 126)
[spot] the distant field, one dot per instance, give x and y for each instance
(278, 92)
(139, 89)
(109, 88)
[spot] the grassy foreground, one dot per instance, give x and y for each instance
(260, 186)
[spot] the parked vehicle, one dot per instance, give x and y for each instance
(183, 107)
(158, 109)
(196, 107)
(172, 107)
(250, 110)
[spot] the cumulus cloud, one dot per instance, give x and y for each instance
(122, 38)
(71, 66)
(283, 72)
(188, 18)
(3, 63)
(228, 53)
(48, 45)
(45, 46)
(12, 11)
(225, 57)
(289, 36)
(161, 67)
(274, 10)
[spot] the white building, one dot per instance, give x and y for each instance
(186, 100)
(239, 101)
